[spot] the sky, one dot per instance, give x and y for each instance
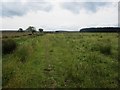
(58, 14)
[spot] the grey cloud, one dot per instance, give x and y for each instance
(119, 14)
(75, 7)
(0, 9)
(10, 9)
(119, 7)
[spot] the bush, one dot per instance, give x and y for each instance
(5, 36)
(8, 46)
(29, 34)
(105, 49)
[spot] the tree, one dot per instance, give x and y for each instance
(31, 29)
(40, 30)
(20, 30)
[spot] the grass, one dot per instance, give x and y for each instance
(63, 60)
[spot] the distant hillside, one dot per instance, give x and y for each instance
(101, 29)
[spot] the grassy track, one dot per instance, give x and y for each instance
(83, 60)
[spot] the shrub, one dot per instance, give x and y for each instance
(23, 35)
(101, 36)
(20, 30)
(8, 46)
(5, 36)
(29, 34)
(105, 49)
(16, 36)
(40, 30)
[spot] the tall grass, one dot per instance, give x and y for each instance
(22, 54)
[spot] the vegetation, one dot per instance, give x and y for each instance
(20, 30)
(40, 30)
(63, 60)
(8, 46)
(31, 29)
(14, 34)
(101, 29)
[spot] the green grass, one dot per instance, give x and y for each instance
(63, 60)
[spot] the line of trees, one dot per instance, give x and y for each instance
(101, 29)
(30, 29)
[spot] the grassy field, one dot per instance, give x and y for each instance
(62, 60)
(15, 34)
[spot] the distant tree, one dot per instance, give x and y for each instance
(40, 30)
(20, 30)
(31, 29)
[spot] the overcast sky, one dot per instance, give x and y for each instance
(57, 14)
